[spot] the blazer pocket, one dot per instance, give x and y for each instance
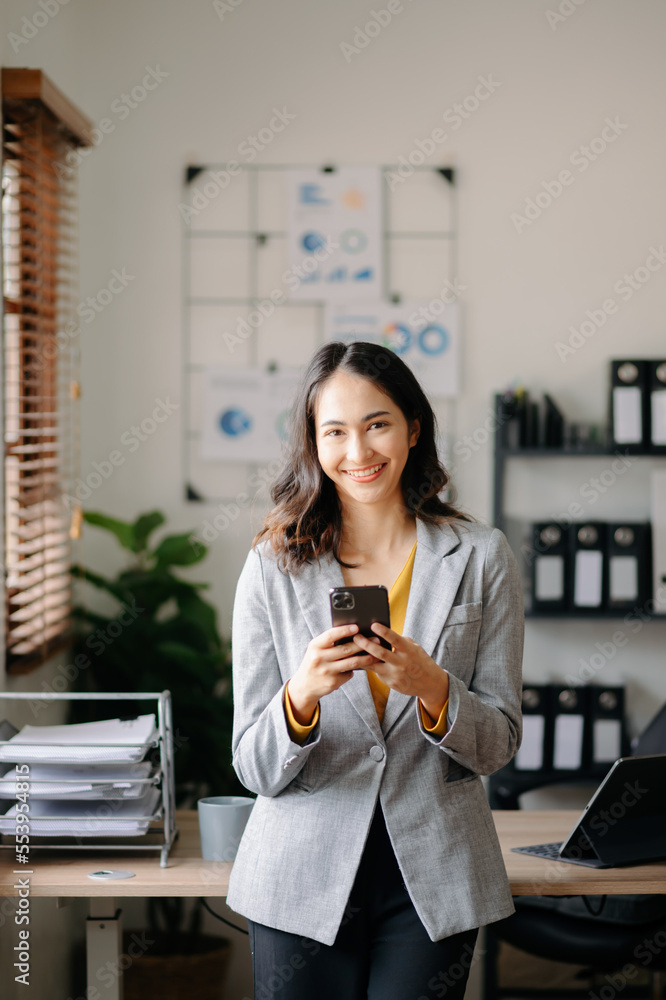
(458, 642)
(460, 614)
(461, 781)
(458, 775)
(300, 785)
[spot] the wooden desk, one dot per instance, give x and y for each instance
(531, 876)
(63, 874)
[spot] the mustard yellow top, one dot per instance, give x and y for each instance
(398, 595)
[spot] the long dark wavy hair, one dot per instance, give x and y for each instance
(306, 521)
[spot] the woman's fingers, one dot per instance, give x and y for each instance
(349, 651)
(330, 636)
(387, 633)
(323, 649)
(353, 654)
(357, 662)
(371, 646)
(345, 657)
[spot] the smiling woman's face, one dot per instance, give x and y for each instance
(363, 439)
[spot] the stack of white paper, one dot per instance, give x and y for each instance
(80, 819)
(126, 740)
(79, 781)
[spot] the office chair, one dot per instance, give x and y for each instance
(602, 933)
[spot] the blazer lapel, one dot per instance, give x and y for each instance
(439, 565)
(311, 586)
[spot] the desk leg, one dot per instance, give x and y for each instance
(104, 941)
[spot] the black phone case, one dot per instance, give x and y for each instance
(366, 605)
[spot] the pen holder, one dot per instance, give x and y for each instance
(222, 819)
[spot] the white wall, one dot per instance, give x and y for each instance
(557, 86)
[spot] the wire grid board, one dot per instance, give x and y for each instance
(234, 256)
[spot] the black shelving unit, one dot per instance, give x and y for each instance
(503, 454)
(507, 785)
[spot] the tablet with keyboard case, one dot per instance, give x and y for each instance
(623, 823)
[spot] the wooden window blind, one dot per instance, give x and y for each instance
(41, 356)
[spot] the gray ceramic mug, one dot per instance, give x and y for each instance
(222, 819)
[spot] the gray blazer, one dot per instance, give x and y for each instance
(301, 848)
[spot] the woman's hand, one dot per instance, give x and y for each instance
(324, 668)
(407, 668)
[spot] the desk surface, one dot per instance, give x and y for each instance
(61, 873)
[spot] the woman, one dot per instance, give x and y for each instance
(370, 858)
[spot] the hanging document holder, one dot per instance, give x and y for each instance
(536, 748)
(570, 728)
(629, 410)
(608, 736)
(550, 559)
(89, 782)
(629, 571)
(657, 386)
(589, 566)
(658, 517)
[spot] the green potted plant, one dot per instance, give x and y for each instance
(163, 635)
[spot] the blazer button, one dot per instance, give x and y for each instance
(377, 753)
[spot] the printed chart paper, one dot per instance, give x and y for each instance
(431, 347)
(334, 234)
(246, 413)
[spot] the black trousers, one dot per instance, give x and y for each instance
(382, 950)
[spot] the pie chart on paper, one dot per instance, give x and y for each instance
(235, 422)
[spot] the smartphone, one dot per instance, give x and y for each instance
(360, 606)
